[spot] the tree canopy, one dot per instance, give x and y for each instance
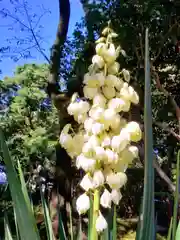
(31, 122)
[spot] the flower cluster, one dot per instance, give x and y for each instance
(102, 146)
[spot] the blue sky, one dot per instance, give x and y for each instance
(49, 23)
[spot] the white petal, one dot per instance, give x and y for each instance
(105, 199)
(86, 183)
(116, 196)
(83, 203)
(101, 223)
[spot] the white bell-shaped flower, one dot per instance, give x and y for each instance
(82, 204)
(99, 100)
(116, 196)
(98, 60)
(114, 68)
(65, 140)
(105, 199)
(112, 157)
(133, 95)
(87, 183)
(135, 131)
(101, 223)
(87, 164)
(100, 49)
(89, 92)
(126, 75)
(88, 124)
(98, 178)
(120, 142)
(97, 128)
(110, 54)
(116, 180)
(100, 153)
(109, 92)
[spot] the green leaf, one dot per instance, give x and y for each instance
(25, 218)
(24, 189)
(8, 234)
(170, 231)
(16, 226)
(71, 222)
(114, 235)
(178, 232)
(62, 234)
(176, 198)
(47, 218)
(147, 230)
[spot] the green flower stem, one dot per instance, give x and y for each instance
(94, 234)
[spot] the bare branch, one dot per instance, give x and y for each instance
(30, 28)
(39, 19)
(163, 175)
(33, 34)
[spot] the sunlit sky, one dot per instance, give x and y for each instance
(49, 23)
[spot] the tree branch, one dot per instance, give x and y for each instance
(165, 127)
(53, 88)
(163, 40)
(163, 175)
(28, 28)
(33, 34)
(163, 90)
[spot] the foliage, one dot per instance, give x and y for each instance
(129, 19)
(29, 120)
(22, 207)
